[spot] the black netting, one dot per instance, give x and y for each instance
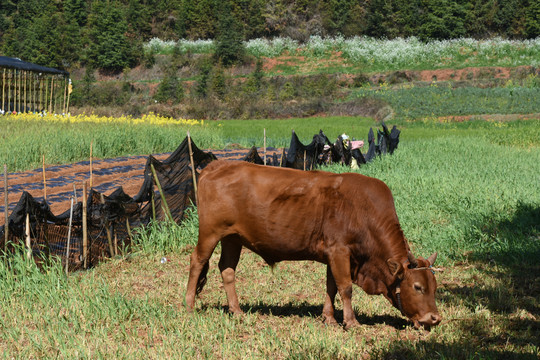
(111, 218)
(300, 156)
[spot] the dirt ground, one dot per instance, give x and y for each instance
(107, 176)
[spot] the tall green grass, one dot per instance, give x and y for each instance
(413, 102)
(23, 143)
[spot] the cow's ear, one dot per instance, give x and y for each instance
(396, 269)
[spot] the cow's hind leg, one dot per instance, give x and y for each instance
(331, 291)
(230, 254)
(198, 270)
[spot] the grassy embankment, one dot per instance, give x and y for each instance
(468, 190)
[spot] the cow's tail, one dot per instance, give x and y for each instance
(202, 278)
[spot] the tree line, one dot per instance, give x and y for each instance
(109, 34)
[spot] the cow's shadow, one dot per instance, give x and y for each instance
(305, 309)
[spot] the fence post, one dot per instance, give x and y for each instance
(264, 146)
(28, 242)
(44, 181)
(108, 230)
(91, 174)
(6, 226)
(69, 235)
(85, 228)
(164, 205)
(193, 170)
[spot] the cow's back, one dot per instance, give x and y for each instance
(286, 214)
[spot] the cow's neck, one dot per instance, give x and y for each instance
(372, 271)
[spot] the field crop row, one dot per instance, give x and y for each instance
(413, 102)
(381, 54)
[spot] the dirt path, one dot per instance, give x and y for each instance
(107, 176)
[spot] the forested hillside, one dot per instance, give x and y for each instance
(109, 34)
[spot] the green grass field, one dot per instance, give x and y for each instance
(469, 190)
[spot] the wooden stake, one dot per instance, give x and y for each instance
(128, 230)
(265, 146)
(281, 158)
(68, 95)
(3, 89)
(75, 192)
(50, 104)
(6, 206)
(193, 170)
(44, 181)
(69, 235)
(153, 206)
(9, 91)
(85, 228)
(108, 230)
(28, 242)
(25, 92)
(65, 94)
(46, 95)
(91, 175)
(40, 102)
(304, 160)
(164, 205)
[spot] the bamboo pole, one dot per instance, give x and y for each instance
(40, 102)
(9, 90)
(193, 170)
(108, 230)
(85, 228)
(69, 93)
(65, 93)
(91, 173)
(153, 206)
(69, 234)
(128, 230)
(304, 160)
(46, 95)
(20, 91)
(25, 91)
(6, 207)
(281, 158)
(4, 90)
(264, 146)
(44, 181)
(28, 241)
(55, 97)
(164, 205)
(52, 91)
(75, 192)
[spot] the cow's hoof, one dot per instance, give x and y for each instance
(236, 312)
(329, 320)
(351, 324)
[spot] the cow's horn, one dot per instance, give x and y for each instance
(432, 258)
(412, 260)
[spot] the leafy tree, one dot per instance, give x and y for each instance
(229, 40)
(170, 89)
(109, 48)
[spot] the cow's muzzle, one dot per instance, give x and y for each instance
(428, 320)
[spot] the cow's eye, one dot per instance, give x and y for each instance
(418, 287)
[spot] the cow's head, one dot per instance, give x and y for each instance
(413, 291)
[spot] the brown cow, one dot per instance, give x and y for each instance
(347, 221)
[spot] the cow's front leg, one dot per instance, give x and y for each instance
(331, 291)
(230, 254)
(340, 266)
